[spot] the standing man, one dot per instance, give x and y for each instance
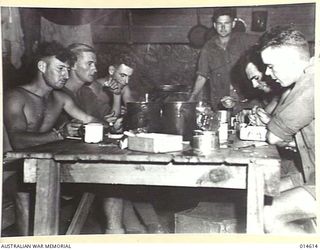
(218, 58)
(285, 52)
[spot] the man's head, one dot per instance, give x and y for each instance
(83, 68)
(259, 84)
(223, 21)
(52, 62)
(285, 52)
(121, 69)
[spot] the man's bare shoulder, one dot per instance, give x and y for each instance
(61, 95)
(17, 95)
(100, 80)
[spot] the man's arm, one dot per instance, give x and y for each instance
(125, 96)
(16, 123)
(273, 139)
(116, 105)
(92, 105)
(271, 106)
(298, 113)
(73, 110)
(200, 81)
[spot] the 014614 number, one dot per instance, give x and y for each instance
(308, 245)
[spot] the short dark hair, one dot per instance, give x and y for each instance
(48, 49)
(284, 36)
(124, 58)
(223, 11)
(77, 48)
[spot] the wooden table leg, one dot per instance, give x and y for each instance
(255, 199)
(47, 207)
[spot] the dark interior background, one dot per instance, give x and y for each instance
(156, 38)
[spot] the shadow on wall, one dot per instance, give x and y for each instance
(156, 64)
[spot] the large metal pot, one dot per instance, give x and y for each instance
(179, 118)
(145, 115)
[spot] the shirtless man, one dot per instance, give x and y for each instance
(102, 98)
(31, 110)
(83, 71)
(112, 89)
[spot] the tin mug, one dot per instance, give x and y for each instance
(93, 132)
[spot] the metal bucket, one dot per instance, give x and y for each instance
(145, 115)
(179, 118)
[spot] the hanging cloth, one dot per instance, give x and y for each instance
(12, 32)
(65, 34)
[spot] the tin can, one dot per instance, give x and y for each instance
(204, 142)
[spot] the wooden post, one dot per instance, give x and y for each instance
(47, 207)
(255, 198)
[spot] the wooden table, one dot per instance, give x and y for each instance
(70, 161)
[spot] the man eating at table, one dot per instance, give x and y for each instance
(102, 99)
(111, 92)
(83, 70)
(31, 110)
(285, 51)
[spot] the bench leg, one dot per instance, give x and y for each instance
(81, 214)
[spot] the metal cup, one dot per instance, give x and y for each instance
(93, 132)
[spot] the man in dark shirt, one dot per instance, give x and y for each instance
(218, 58)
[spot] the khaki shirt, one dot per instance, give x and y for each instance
(294, 119)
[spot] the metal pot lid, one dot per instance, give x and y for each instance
(173, 87)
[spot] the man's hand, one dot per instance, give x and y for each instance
(263, 116)
(259, 117)
(113, 86)
(115, 123)
(123, 110)
(117, 126)
(110, 119)
(228, 102)
(291, 146)
(241, 116)
(70, 128)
